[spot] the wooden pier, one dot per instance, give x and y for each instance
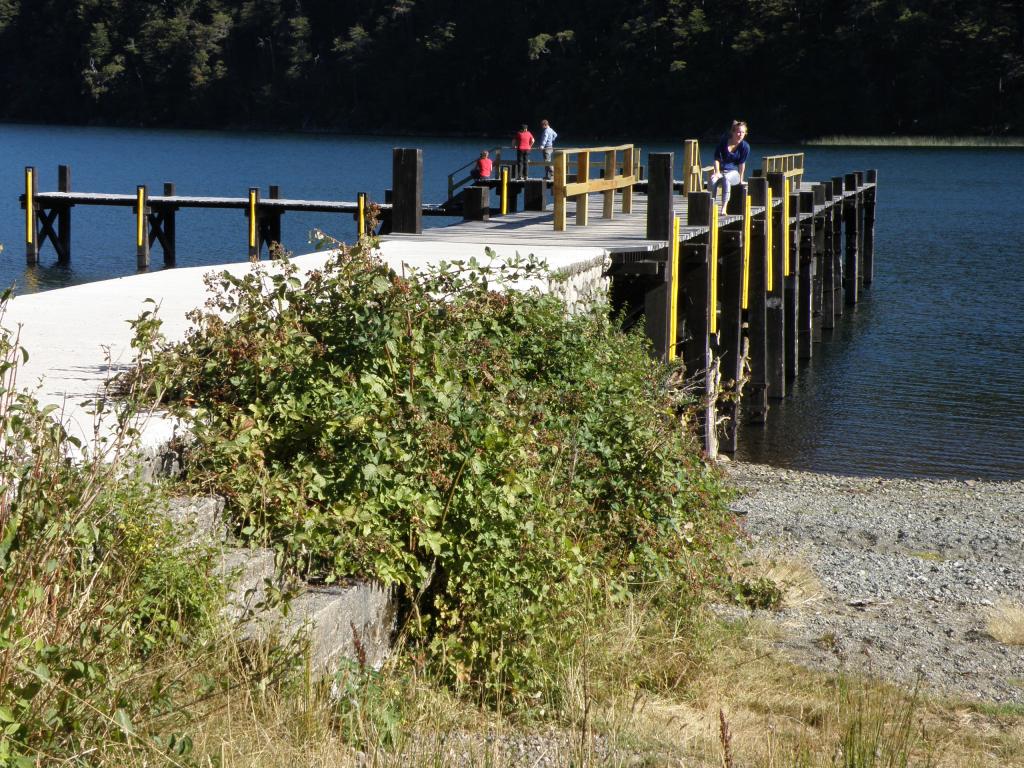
(740, 297)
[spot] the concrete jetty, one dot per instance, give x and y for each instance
(77, 337)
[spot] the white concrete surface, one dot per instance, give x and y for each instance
(78, 336)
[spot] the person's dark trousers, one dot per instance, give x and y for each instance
(522, 163)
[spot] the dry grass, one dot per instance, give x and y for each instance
(1005, 622)
(799, 585)
(640, 688)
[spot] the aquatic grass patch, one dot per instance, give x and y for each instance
(493, 458)
(981, 142)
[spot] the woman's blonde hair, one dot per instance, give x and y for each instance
(737, 123)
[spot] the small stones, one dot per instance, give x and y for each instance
(910, 565)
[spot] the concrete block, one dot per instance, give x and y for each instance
(352, 621)
(199, 519)
(247, 572)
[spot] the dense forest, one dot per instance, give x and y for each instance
(656, 67)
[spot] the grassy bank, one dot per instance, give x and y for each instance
(982, 142)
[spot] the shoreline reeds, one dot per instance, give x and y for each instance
(981, 142)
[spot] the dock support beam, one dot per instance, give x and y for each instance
(823, 192)
(63, 242)
(699, 289)
(869, 226)
(775, 358)
(807, 278)
(657, 301)
(851, 215)
(407, 182)
(535, 192)
(731, 272)
(476, 203)
(837, 243)
(756, 392)
(270, 224)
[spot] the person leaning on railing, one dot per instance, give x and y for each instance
(523, 144)
(547, 146)
(730, 161)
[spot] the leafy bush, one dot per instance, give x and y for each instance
(489, 455)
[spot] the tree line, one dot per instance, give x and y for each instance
(792, 68)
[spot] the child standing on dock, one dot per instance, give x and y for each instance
(523, 143)
(730, 161)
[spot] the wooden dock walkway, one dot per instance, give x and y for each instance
(739, 296)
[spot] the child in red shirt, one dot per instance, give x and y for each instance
(483, 167)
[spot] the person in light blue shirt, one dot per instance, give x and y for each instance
(730, 161)
(547, 146)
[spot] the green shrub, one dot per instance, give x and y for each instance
(492, 457)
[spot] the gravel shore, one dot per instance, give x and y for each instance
(909, 571)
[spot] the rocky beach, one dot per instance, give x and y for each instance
(910, 574)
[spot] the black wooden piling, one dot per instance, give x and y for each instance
(730, 321)
(657, 300)
(63, 242)
(142, 226)
(837, 244)
(476, 203)
(828, 261)
(818, 254)
(695, 280)
(756, 392)
(775, 357)
(270, 222)
(851, 215)
(163, 223)
(535, 192)
(805, 276)
(792, 310)
(869, 226)
(407, 180)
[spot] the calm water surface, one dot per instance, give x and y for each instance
(924, 378)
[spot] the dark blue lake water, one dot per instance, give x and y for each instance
(924, 378)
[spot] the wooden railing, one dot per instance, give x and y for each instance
(693, 171)
(790, 165)
(617, 175)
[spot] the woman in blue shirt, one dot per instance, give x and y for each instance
(730, 161)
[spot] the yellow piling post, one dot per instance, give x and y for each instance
(141, 235)
(361, 221)
(558, 191)
(31, 246)
(504, 190)
(785, 227)
(746, 250)
(713, 276)
(673, 320)
(254, 250)
(769, 214)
